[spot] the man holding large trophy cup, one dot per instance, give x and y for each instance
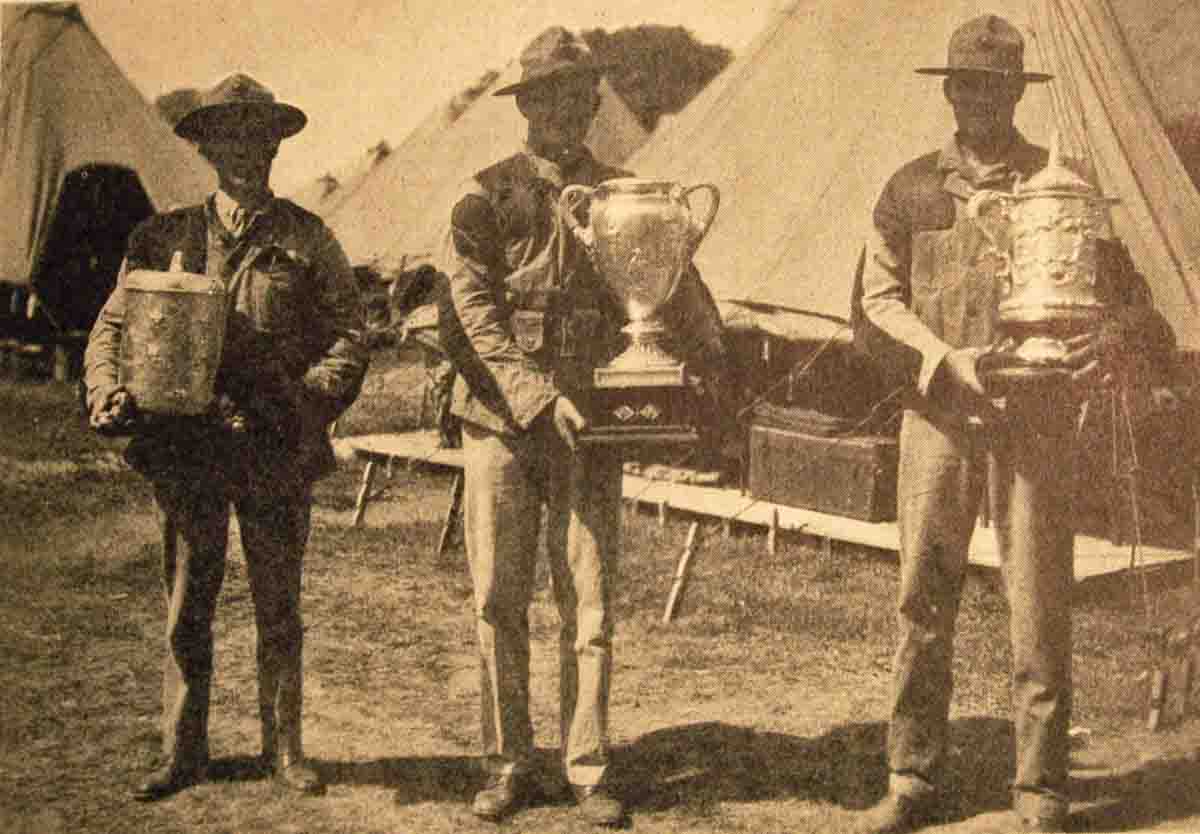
(991, 285)
(532, 312)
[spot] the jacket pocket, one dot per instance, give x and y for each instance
(277, 296)
(529, 330)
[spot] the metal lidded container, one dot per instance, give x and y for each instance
(172, 340)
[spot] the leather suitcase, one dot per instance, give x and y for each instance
(847, 475)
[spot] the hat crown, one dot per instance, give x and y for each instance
(987, 44)
(554, 53)
(553, 50)
(238, 88)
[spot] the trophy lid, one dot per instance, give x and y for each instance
(636, 185)
(1057, 178)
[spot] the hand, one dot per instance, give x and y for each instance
(960, 371)
(1100, 352)
(228, 415)
(568, 421)
(113, 412)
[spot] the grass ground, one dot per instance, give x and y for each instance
(762, 708)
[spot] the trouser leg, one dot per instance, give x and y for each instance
(196, 531)
(939, 487)
(502, 516)
(583, 544)
(1036, 540)
(274, 531)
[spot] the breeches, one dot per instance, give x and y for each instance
(274, 532)
(509, 482)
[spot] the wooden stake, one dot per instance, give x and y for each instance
(662, 513)
(727, 529)
(453, 513)
(1158, 695)
(773, 533)
(364, 493)
(681, 573)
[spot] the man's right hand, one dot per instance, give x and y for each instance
(960, 373)
(568, 421)
(962, 370)
(113, 412)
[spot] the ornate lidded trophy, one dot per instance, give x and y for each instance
(1046, 231)
(641, 236)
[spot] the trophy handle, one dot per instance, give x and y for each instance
(701, 228)
(989, 210)
(569, 202)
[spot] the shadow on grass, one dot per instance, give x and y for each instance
(698, 766)
(415, 780)
(1154, 794)
(236, 769)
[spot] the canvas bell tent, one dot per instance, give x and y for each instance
(802, 131)
(323, 195)
(399, 216)
(83, 158)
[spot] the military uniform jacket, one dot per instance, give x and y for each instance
(527, 318)
(931, 281)
(293, 357)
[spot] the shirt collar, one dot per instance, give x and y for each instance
(1019, 159)
(563, 166)
(231, 219)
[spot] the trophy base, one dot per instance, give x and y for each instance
(1003, 373)
(641, 409)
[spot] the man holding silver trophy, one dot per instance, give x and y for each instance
(528, 320)
(999, 329)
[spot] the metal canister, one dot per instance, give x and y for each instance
(172, 340)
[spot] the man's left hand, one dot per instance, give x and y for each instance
(1097, 354)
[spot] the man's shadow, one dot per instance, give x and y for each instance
(414, 779)
(698, 766)
(1155, 793)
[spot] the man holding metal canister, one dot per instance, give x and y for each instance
(293, 359)
(929, 307)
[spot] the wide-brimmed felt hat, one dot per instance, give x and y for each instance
(555, 53)
(241, 102)
(987, 44)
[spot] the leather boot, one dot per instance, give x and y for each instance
(598, 805)
(296, 774)
(172, 778)
(502, 795)
(1040, 812)
(899, 812)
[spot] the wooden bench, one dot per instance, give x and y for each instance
(417, 448)
(1093, 556)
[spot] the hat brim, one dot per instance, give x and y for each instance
(274, 118)
(596, 70)
(1028, 76)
